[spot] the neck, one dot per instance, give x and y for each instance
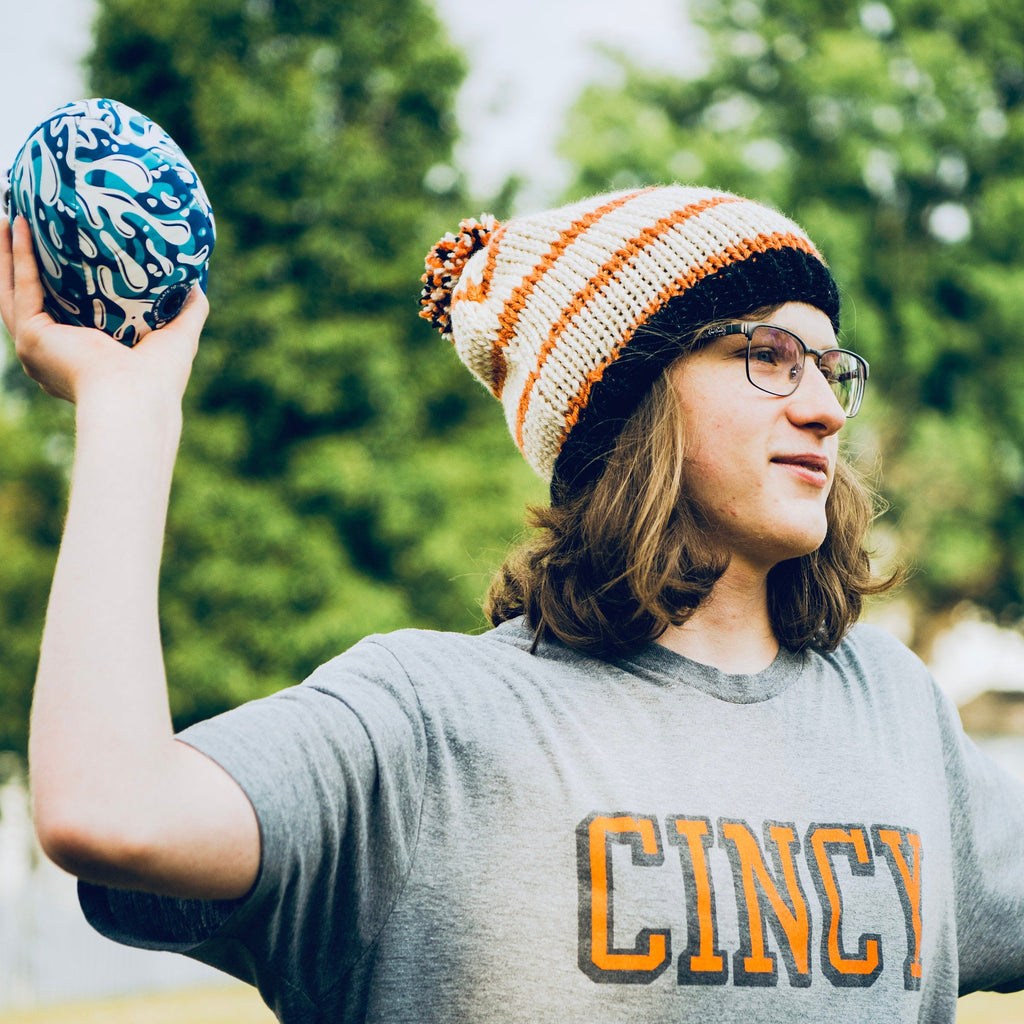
(730, 630)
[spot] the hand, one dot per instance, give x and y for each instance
(68, 362)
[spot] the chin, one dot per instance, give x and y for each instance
(803, 543)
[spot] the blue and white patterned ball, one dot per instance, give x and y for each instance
(121, 223)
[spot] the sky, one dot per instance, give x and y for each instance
(43, 44)
(528, 61)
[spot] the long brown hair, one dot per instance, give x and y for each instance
(617, 561)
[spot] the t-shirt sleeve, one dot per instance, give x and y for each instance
(987, 822)
(334, 769)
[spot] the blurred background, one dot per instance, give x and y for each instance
(341, 474)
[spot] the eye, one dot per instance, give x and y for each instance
(764, 354)
(836, 368)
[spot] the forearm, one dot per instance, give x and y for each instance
(101, 728)
(116, 798)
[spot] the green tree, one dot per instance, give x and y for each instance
(340, 471)
(31, 514)
(894, 132)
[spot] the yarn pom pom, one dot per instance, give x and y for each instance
(444, 267)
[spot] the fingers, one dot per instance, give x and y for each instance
(21, 296)
(6, 276)
(28, 289)
(21, 291)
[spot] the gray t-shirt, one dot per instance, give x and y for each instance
(456, 829)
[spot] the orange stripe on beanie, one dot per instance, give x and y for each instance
(563, 314)
(594, 286)
(521, 295)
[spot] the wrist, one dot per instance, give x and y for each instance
(126, 440)
(133, 410)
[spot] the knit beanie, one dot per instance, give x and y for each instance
(570, 315)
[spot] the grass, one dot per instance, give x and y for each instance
(240, 1004)
(991, 1008)
(225, 1004)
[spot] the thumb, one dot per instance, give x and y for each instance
(193, 313)
(170, 350)
(187, 323)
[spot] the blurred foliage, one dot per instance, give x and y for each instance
(340, 472)
(31, 517)
(894, 133)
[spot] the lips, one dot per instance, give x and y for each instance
(808, 461)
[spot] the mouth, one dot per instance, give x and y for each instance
(808, 466)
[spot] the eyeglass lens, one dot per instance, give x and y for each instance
(775, 363)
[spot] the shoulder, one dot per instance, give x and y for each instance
(866, 644)
(872, 659)
(411, 656)
(504, 641)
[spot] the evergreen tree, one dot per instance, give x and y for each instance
(894, 132)
(340, 472)
(31, 512)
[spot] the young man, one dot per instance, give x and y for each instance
(671, 784)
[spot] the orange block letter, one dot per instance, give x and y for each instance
(599, 959)
(898, 845)
(754, 964)
(702, 962)
(851, 840)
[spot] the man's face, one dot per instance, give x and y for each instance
(761, 466)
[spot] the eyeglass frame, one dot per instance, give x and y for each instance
(747, 328)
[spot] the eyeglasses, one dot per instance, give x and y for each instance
(775, 363)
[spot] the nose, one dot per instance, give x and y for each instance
(813, 405)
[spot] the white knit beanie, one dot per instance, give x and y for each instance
(552, 312)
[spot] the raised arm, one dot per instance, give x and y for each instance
(116, 798)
